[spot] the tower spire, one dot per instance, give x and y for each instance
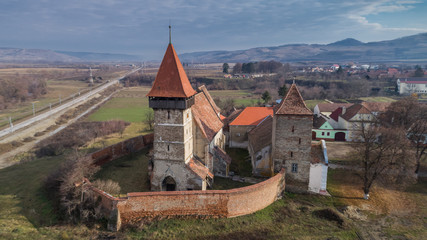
(170, 33)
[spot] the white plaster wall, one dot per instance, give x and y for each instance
(315, 181)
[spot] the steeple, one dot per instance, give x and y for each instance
(171, 80)
(293, 103)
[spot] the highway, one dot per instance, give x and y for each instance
(63, 106)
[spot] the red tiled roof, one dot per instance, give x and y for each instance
(330, 107)
(199, 169)
(260, 136)
(205, 116)
(252, 116)
(353, 110)
(376, 106)
(210, 99)
(415, 82)
(318, 121)
(222, 117)
(335, 114)
(293, 103)
(171, 80)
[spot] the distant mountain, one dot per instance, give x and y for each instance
(102, 57)
(347, 42)
(40, 55)
(33, 55)
(402, 49)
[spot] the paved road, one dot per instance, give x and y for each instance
(63, 106)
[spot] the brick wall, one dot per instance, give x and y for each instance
(211, 203)
(122, 148)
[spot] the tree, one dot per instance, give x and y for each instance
(282, 90)
(419, 72)
(266, 96)
(410, 115)
(149, 119)
(237, 68)
(225, 68)
(380, 153)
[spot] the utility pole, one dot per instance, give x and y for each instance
(50, 106)
(34, 110)
(59, 99)
(11, 124)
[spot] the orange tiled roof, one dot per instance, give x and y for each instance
(171, 80)
(293, 104)
(199, 169)
(252, 116)
(205, 116)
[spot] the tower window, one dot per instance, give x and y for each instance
(299, 141)
(293, 128)
(168, 148)
(292, 154)
(169, 114)
(294, 167)
(188, 115)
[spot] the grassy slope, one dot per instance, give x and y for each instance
(131, 172)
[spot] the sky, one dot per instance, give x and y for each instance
(140, 27)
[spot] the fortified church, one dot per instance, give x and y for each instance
(189, 142)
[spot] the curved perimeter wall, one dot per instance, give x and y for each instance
(211, 203)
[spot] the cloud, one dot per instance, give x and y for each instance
(136, 26)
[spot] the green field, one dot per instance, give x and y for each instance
(129, 105)
(377, 99)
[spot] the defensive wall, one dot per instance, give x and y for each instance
(121, 149)
(129, 210)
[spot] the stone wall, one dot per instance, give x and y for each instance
(211, 203)
(292, 145)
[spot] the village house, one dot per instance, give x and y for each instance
(188, 146)
(344, 120)
(406, 86)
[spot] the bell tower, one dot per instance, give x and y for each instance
(171, 98)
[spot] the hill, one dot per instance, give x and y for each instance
(402, 49)
(49, 56)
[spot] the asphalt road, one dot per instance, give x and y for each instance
(62, 107)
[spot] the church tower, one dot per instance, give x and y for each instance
(171, 98)
(291, 139)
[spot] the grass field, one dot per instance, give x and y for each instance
(130, 172)
(129, 105)
(377, 99)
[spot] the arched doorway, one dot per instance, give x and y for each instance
(313, 135)
(168, 184)
(340, 136)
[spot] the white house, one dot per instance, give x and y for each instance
(407, 86)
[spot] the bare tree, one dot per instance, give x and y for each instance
(149, 119)
(409, 114)
(381, 153)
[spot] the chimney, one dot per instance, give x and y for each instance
(343, 109)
